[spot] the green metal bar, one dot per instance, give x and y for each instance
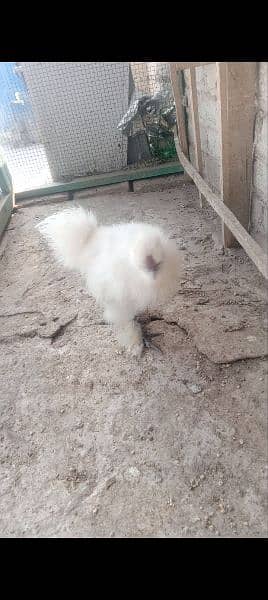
(101, 180)
(6, 195)
(6, 207)
(5, 177)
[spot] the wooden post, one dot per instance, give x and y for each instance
(177, 91)
(236, 89)
(196, 128)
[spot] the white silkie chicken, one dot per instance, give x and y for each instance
(128, 267)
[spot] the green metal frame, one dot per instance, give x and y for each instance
(6, 208)
(101, 180)
(7, 197)
(130, 175)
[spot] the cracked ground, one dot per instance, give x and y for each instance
(97, 444)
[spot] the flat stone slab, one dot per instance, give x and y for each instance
(230, 333)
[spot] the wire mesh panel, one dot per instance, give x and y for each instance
(61, 121)
(77, 108)
(19, 140)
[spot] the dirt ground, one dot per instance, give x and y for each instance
(97, 444)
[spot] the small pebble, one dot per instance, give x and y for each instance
(132, 474)
(203, 301)
(195, 388)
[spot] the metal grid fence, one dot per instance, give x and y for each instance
(63, 121)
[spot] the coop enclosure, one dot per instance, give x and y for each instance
(67, 126)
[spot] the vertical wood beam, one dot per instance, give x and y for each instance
(236, 91)
(177, 91)
(193, 101)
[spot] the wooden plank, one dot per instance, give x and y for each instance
(222, 82)
(169, 168)
(236, 88)
(181, 66)
(251, 247)
(180, 113)
(193, 101)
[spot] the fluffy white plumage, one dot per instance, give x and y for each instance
(128, 267)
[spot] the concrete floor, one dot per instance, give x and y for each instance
(96, 444)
